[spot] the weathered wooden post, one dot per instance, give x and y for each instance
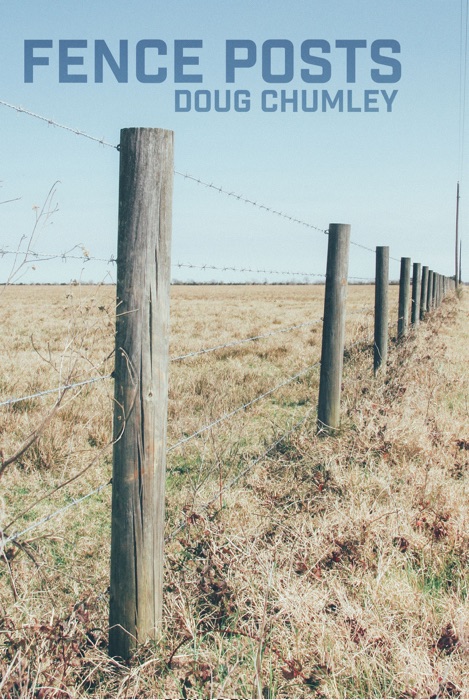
(434, 290)
(404, 297)
(423, 292)
(333, 333)
(380, 354)
(430, 290)
(415, 316)
(141, 387)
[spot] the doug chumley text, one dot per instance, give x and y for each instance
(276, 62)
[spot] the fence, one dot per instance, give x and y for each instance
(142, 363)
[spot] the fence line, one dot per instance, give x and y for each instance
(248, 269)
(196, 353)
(46, 257)
(76, 501)
(141, 390)
(187, 176)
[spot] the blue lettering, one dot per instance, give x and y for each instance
(65, 60)
(182, 101)
(180, 60)
(120, 70)
(393, 63)
(265, 95)
(142, 75)
(323, 63)
(30, 60)
(351, 46)
(232, 62)
(287, 47)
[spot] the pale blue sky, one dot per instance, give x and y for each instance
(392, 176)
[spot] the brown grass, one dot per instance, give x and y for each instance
(336, 568)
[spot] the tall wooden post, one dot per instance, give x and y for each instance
(141, 387)
(404, 298)
(430, 290)
(423, 292)
(333, 334)
(434, 290)
(415, 316)
(380, 354)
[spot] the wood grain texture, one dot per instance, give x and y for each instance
(141, 387)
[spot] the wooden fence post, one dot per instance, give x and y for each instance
(423, 292)
(404, 297)
(380, 354)
(429, 290)
(434, 290)
(333, 333)
(415, 317)
(141, 387)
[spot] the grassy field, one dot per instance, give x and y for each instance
(334, 568)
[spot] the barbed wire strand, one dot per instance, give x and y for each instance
(241, 474)
(227, 268)
(196, 353)
(38, 523)
(76, 501)
(226, 416)
(241, 198)
(51, 122)
(245, 340)
(58, 389)
(186, 176)
(45, 257)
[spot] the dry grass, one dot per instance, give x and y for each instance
(336, 568)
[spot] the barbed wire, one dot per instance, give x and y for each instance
(228, 268)
(241, 198)
(371, 280)
(226, 416)
(244, 340)
(58, 389)
(186, 176)
(371, 250)
(45, 257)
(51, 122)
(240, 475)
(38, 523)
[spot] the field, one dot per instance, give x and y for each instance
(306, 566)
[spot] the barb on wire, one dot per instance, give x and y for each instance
(241, 474)
(245, 340)
(51, 122)
(38, 523)
(241, 198)
(226, 416)
(227, 268)
(58, 389)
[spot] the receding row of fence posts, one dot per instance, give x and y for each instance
(141, 370)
